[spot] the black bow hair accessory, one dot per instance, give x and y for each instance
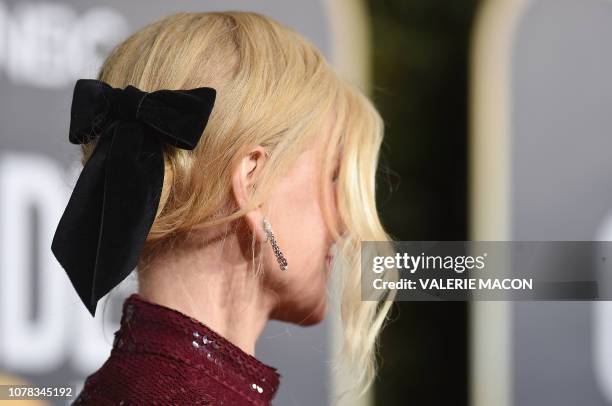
(115, 199)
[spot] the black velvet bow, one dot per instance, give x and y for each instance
(115, 199)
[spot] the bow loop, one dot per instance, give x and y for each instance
(179, 116)
(113, 205)
(89, 111)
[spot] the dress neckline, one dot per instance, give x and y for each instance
(160, 330)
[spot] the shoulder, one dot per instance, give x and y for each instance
(134, 378)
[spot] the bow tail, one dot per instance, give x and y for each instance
(132, 188)
(76, 237)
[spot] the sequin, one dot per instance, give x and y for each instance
(195, 344)
(256, 387)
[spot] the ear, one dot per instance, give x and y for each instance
(244, 176)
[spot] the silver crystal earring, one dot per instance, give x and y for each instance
(280, 258)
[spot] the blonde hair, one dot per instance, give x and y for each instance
(274, 88)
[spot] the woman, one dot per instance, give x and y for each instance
(248, 222)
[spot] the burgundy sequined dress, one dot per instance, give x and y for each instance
(161, 356)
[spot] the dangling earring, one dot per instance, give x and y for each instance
(280, 258)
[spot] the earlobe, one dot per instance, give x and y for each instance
(254, 219)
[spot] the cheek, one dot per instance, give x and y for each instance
(306, 234)
(302, 239)
(297, 208)
(302, 233)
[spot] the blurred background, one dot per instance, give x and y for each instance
(498, 122)
(420, 57)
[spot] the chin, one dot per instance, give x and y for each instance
(316, 315)
(303, 315)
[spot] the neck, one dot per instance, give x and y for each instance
(213, 283)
